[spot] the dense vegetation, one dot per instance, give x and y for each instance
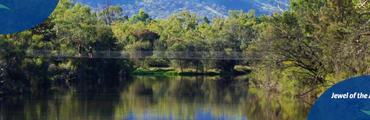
(312, 46)
(317, 43)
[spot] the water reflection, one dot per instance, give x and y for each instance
(156, 98)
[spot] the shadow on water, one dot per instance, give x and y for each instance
(147, 97)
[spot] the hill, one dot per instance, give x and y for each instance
(210, 8)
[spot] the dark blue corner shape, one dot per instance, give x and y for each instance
(326, 108)
(20, 15)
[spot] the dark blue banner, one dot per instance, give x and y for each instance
(347, 100)
(20, 15)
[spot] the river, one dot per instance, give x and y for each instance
(148, 97)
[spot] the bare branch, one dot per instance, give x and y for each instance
(280, 8)
(363, 4)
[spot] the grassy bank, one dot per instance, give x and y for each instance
(188, 72)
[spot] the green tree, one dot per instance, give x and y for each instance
(205, 20)
(142, 16)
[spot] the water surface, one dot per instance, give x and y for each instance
(156, 98)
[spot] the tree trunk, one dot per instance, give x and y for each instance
(202, 67)
(197, 66)
(181, 66)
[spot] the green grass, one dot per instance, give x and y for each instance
(174, 73)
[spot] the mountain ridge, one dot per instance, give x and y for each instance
(158, 9)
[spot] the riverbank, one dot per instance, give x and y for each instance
(170, 72)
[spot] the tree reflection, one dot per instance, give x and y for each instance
(198, 97)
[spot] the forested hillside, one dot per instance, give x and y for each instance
(209, 8)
